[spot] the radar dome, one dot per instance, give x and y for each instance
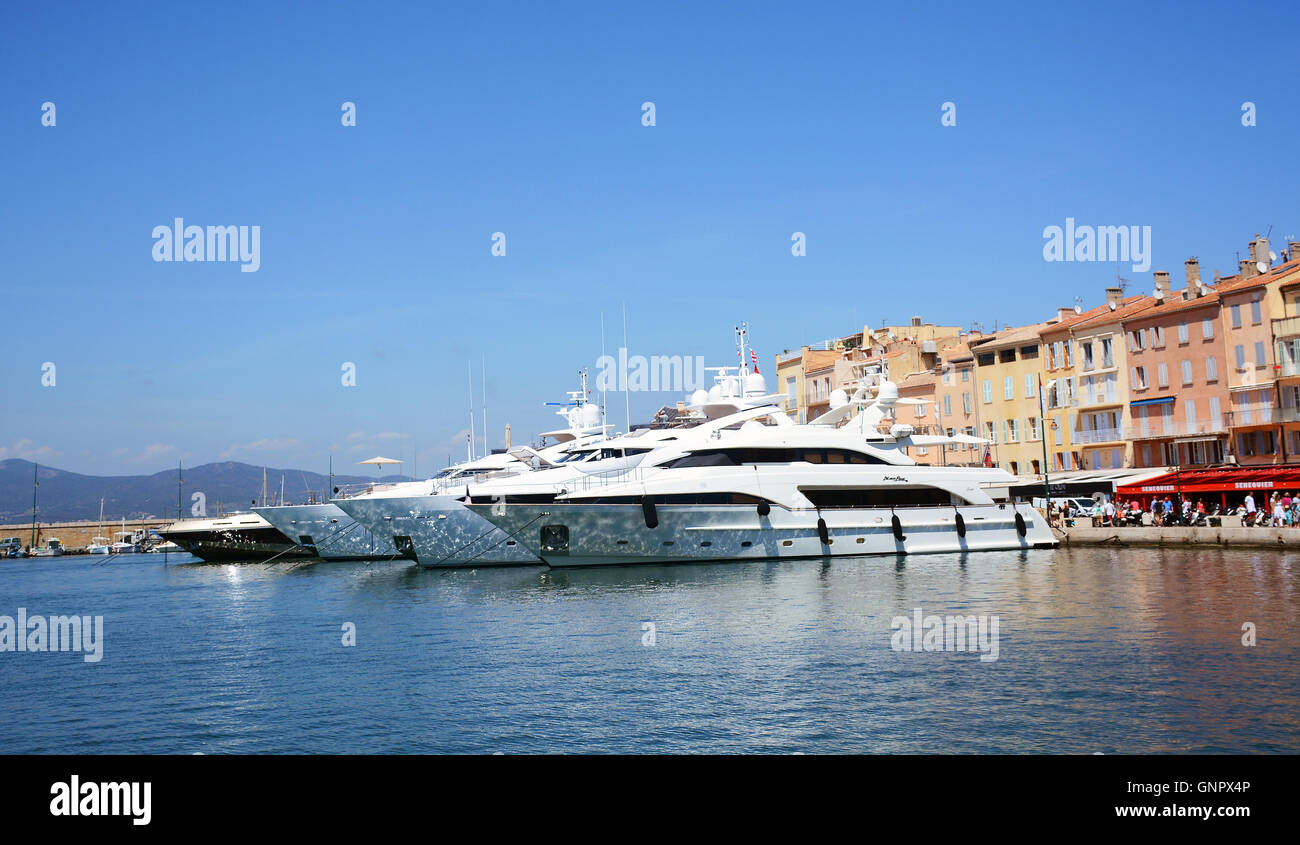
(755, 385)
(591, 415)
(888, 391)
(839, 398)
(699, 397)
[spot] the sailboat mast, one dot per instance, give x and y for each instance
(485, 428)
(35, 468)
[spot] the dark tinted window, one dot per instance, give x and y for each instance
(902, 497)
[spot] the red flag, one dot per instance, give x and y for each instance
(988, 457)
(754, 357)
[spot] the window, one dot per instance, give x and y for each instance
(1013, 431)
(1030, 385)
(1069, 353)
(1207, 329)
(1033, 429)
(1137, 341)
(1056, 426)
(920, 409)
(1215, 417)
(1189, 406)
(986, 359)
(1162, 374)
(965, 375)
(991, 432)
(1107, 360)
(1255, 316)
(946, 377)
(1261, 357)
(947, 405)
(1159, 332)
(988, 391)
(1183, 336)
(1187, 373)
(1028, 352)
(1236, 316)
(1139, 378)
(1240, 352)
(1087, 356)
(1009, 388)
(965, 403)
(1007, 356)
(1211, 369)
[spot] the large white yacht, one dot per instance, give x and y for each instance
(434, 526)
(324, 529)
(837, 486)
(427, 521)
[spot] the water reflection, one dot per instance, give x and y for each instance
(1104, 649)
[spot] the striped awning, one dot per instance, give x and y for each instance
(1159, 400)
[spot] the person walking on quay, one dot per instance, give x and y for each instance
(1249, 518)
(1109, 510)
(1278, 513)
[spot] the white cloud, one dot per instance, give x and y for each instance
(27, 450)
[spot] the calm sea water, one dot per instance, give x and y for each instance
(1099, 650)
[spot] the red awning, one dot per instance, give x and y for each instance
(1224, 479)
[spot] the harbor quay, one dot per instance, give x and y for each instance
(76, 536)
(1228, 536)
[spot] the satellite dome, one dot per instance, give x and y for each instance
(755, 385)
(839, 398)
(699, 397)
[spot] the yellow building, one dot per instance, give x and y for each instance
(1008, 366)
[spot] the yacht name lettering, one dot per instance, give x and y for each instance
(894, 478)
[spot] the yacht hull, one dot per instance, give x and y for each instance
(438, 531)
(618, 534)
(329, 532)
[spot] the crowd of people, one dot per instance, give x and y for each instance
(1280, 510)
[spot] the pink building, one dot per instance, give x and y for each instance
(1178, 381)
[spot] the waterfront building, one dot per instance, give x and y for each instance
(1100, 356)
(1251, 301)
(1008, 366)
(1177, 413)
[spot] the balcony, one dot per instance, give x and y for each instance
(1257, 416)
(1099, 435)
(1286, 327)
(1182, 428)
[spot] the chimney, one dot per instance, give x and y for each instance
(1114, 297)
(916, 322)
(1193, 269)
(1163, 283)
(1063, 314)
(1292, 250)
(1246, 267)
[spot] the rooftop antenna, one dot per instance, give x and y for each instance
(1122, 283)
(1078, 305)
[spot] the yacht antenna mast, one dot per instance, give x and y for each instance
(469, 367)
(627, 393)
(485, 428)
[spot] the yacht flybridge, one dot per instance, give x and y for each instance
(836, 486)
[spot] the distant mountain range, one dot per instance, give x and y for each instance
(66, 496)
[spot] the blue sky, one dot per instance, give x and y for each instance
(526, 119)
